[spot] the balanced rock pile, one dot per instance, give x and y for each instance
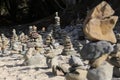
(98, 28)
(100, 53)
(79, 52)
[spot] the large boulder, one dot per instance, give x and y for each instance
(99, 23)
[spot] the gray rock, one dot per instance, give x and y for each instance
(94, 50)
(103, 72)
(75, 61)
(37, 60)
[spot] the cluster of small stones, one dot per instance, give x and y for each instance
(78, 52)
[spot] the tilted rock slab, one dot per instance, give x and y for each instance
(99, 23)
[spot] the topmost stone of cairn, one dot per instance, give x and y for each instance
(99, 23)
(57, 19)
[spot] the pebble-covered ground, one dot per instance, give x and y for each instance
(11, 69)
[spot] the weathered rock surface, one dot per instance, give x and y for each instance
(37, 60)
(97, 62)
(75, 61)
(99, 23)
(93, 50)
(103, 72)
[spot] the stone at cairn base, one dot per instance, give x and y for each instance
(36, 60)
(103, 72)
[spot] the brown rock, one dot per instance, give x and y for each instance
(100, 60)
(99, 23)
(102, 10)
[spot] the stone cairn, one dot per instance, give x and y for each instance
(56, 27)
(98, 28)
(5, 43)
(68, 47)
(33, 34)
(81, 52)
(15, 44)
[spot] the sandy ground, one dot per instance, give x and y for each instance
(11, 69)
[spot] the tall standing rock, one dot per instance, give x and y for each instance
(99, 23)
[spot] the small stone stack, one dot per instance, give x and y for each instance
(33, 34)
(56, 27)
(5, 43)
(68, 47)
(49, 39)
(14, 37)
(15, 44)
